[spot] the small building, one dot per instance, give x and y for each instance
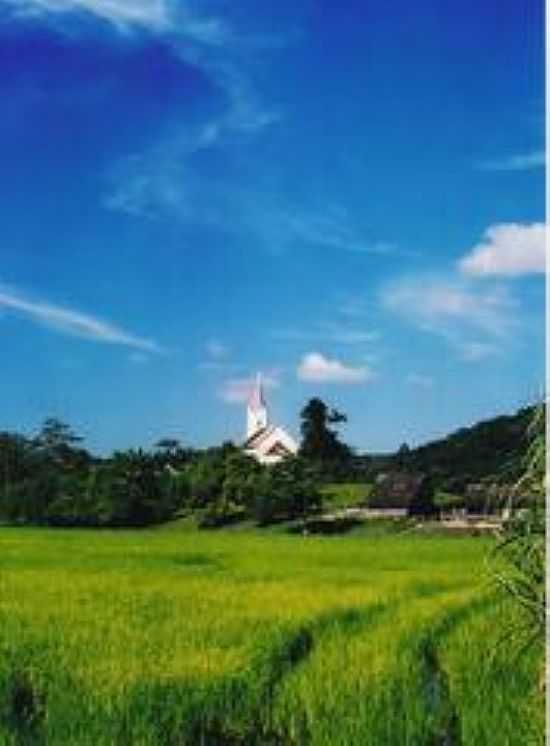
(265, 442)
(401, 490)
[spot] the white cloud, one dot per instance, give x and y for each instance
(508, 249)
(238, 390)
(75, 323)
(522, 162)
(153, 14)
(320, 369)
(420, 380)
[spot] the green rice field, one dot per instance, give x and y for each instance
(173, 637)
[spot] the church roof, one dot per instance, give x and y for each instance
(269, 437)
(260, 435)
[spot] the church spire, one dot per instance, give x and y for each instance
(256, 412)
(256, 399)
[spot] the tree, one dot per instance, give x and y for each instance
(58, 443)
(168, 445)
(133, 491)
(170, 452)
(16, 460)
(320, 443)
(403, 456)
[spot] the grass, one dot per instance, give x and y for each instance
(345, 495)
(175, 636)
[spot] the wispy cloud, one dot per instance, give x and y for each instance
(435, 303)
(476, 320)
(238, 390)
(76, 323)
(509, 249)
(521, 162)
(162, 179)
(155, 180)
(315, 367)
(283, 227)
(332, 229)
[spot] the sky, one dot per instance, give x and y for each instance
(347, 198)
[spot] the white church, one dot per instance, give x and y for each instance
(265, 442)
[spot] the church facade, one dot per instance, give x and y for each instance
(265, 442)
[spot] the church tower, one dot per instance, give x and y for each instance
(256, 411)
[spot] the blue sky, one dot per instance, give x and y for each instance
(348, 199)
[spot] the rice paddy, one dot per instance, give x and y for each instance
(157, 637)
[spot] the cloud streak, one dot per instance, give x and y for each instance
(522, 162)
(75, 323)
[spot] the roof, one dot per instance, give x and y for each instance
(263, 441)
(258, 437)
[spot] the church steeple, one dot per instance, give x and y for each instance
(256, 411)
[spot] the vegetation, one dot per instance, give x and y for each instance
(158, 637)
(523, 543)
(51, 480)
(338, 495)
